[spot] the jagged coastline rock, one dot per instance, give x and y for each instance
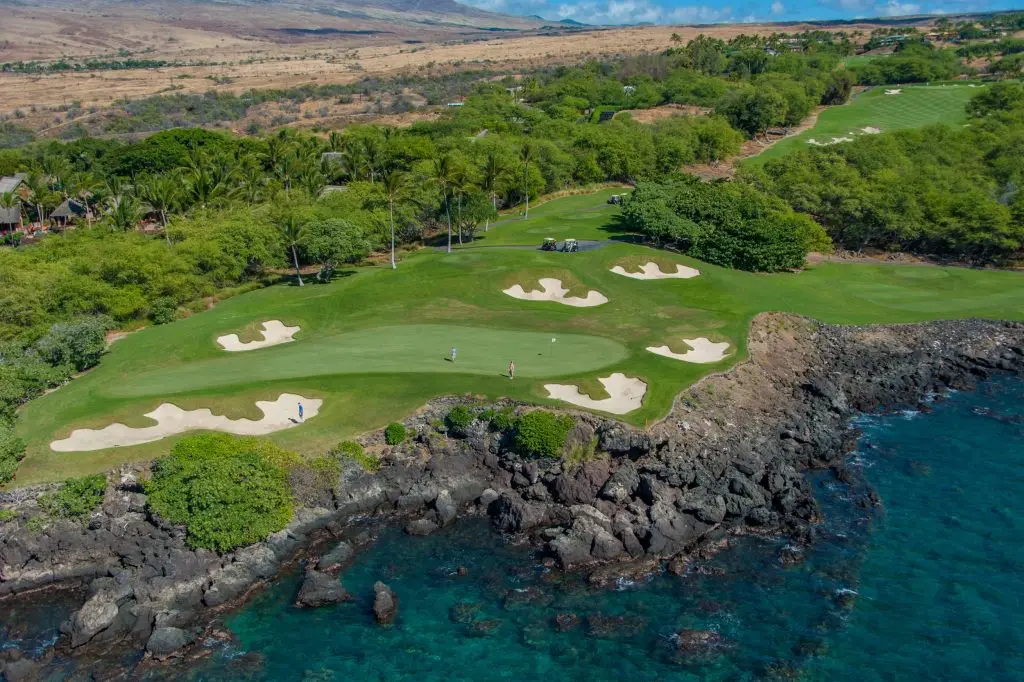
(333, 560)
(168, 641)
(385, 604)
(320, 589)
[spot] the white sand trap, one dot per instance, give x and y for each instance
(627, 394)
(835, 140)
(895, 91)
(703, 351)
(274, 333)
(652, 271)
(870, 130)
(171, 420)
(552, 291)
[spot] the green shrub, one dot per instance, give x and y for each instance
(394, 434)
(504, 420)
(79, 342)
(7, 515)
(458, 420)
(542, 434)
(228, 492)
(353, 451)
(164, 310)
(76, 498)
(326, 470)
(12, 451)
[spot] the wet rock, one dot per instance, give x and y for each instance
(228, 583)
(321, 589)
(421, 527)
(21, 670)
(564, 622)
(166, 642)
(336, 558)
(611, 627)
(581, 485)
(96, 615)
(696, 644)
(464, 612)
(385, 604)
(445, 506)
(514, 515)
(484, 628)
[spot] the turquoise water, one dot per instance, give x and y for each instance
(937, 574)
(928, 586)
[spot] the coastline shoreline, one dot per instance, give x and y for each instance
(729, 459)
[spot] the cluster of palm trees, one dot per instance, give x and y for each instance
(288, 163)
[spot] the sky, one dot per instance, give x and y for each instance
(732, 11)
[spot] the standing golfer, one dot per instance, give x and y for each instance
(300, 411)
(454, 352)
(511, 370)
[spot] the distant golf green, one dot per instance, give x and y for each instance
(374, 343)
(914, 106)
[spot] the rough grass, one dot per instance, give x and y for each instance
(374, 345)
(914, 107)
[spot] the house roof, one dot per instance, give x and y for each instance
(11, 182)
(10, 216)
(69, 209)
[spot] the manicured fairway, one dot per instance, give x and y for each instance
(373, 344)
(915, 106)
(585, 216)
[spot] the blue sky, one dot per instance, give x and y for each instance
(686, 12)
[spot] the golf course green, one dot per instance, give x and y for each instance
(374, 343)
(913, 107)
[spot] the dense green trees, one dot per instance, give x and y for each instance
(938, 191)
(730, 224)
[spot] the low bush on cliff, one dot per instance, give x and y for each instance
(542, 434)
(229, 492)
(354, 452)
(12, 450)
(394, 434)
(76, 499)
(458, 420)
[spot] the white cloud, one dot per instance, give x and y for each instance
(778, 7)
(637, 12)
(898, 9)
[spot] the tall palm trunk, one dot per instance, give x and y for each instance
(391, 210)
(295, 259)
(458, 220)
(526, 190)
(448, 212)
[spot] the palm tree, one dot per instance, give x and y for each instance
(125, 212)
(490, 175)
(396, 185)
(372, 154)
(160, 194)
(9, 200)
(293, 232)
(525, 155)
(445, 177)
(37, 188)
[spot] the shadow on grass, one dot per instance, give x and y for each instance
(312, 279)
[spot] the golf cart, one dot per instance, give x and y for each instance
(549, 244)
(570, 246)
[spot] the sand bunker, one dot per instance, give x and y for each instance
(870, 130)
(652, 271)
(171, 420)
(894, 92)
(274, 333)
(703, 351)
(552, 291)
(835, 140)
(627, 394)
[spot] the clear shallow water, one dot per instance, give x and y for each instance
(938, 575)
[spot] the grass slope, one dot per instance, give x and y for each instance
(915, 106)
(373, 343)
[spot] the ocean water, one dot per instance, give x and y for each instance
(928, 586)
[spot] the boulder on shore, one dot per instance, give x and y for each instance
(165, 642)
(385, 604)
(321, 589)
